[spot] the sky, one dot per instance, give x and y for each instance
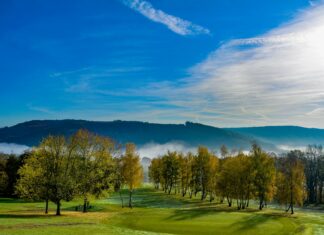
(224, 63)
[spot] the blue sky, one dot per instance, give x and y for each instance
(212, 61)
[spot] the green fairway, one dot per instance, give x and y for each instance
(154, 213)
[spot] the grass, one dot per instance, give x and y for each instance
(154, 213)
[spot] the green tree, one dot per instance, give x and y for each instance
(3, 174)
(94, 164)
(34, 181)
(54, 162)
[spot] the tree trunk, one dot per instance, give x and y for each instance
(260, 205)
(130, 199)
(85, 205)
(229, 202)
(320, 192)
(58, 208)
(261, 202)
(121, 198)
(170, 189)
(46, 206)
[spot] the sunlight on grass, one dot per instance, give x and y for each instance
(154, 213)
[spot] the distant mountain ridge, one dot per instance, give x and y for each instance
(190, 134)
(31, 133)
(293, 135)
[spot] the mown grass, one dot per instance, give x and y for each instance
(154, 213)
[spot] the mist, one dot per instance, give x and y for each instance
(11, 148)
(152, 150)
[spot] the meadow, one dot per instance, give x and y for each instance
(154, 213)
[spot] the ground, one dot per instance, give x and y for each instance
(154, 213)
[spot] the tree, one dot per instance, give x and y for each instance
(213, 173)
(155, 172)
(54, 163)
(226, 183)
(264, 175)
(224, 151)
(312, 162)
(12, 166)
(3, 174)
(291, 181)
(94, 164)
(33, 183)
(119, 180)
(170, 170)
(185, 165)
(132, 171)
(202, 170)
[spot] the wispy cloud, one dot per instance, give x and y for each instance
(40, 109)
(272, 79)
(176, 24)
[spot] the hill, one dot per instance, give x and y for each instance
(188, 134)
(193, 134)
(283, 135)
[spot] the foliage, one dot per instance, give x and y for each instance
(131, 170)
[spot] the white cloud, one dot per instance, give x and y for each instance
(152, 150)
(176, 24)
(12, 148)
(272, 79)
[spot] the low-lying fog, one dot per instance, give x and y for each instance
(12, 148)
(149, 150)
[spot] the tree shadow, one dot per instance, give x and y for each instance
(256, 219)
(24, 216)
(187, 214)
(12, 200)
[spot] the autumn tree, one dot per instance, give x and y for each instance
(170, 170)
(226, 183)
(185, 165)
(291, 181)
(264, 175)
(132, 171)
(155, 172)
(202, 171)
(213, 173)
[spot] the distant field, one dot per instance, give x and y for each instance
(154, 213)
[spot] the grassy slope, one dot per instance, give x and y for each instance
(154, 213)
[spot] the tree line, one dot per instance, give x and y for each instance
(84, 165)
(233, 178)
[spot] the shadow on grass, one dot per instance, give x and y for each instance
(12, 200)
(257, 220)
(187, 214)
(151, 198)
(24, 216)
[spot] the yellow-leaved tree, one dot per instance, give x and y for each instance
(131, 170)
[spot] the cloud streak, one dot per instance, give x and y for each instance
(175, 24)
